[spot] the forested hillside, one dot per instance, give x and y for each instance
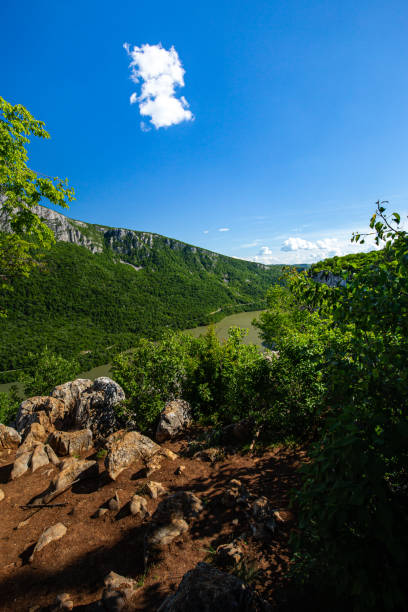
(133, 284)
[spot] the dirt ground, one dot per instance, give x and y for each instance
(92, 547)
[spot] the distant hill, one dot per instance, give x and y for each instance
(101, 287)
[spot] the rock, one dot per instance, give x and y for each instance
(71, 469)
(49, 412)
(234, 494)
(101, 512)
(35, 435)
(23, 523)
(63, 602)
(229, 554)
(237, 432)
(39, 457)
(175, 417)
(71, 442)
(138, 506)
(283, 516)
(166, 452)
(114, 503)
(70, 392)
(21, 465)
(95, 408)
(264, 518)
(51, 455)
(127, 448)
(154, 489)
(118, 592)
(2, 495)
(9, 437)
(207, 589)
(153, 465)
(49, 535)
(171, 519)
(208, 454)
(180, 470)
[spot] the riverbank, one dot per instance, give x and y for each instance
(240, 319)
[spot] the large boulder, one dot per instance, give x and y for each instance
(33, 453)
(175, 417)
(71, 442)
(171, 519)
(126, 447)
(9, 437)
(49, 412)
(70, 392)
(207, 589)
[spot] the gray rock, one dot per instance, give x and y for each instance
(172, 518)
(175, 417)
(118, 592)
(114, 503)
(95, 409)
(49, 535)
(124, 448)
(71, 442)
(138, 506)
(71, 470)
(9, 437)
(207, 589)
(49, 412)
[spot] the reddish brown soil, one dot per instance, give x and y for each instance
(92, 547)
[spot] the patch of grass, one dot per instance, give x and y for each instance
(102, 452)
(246, 570)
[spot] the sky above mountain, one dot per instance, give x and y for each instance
(264, 130)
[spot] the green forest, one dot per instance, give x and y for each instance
(91, 306)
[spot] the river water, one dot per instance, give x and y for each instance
(241, 319)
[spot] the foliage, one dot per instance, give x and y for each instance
(353, 534)
(223, 381)
(46, 370)
(21, 189)
(9, 403)
(90, 306)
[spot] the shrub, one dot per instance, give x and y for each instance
(9, 403)
(46, 370)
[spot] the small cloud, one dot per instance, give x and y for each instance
(205, 231)
(296, 244)
(160, 71)
(223, 229)
(250, 244)
(265, 256)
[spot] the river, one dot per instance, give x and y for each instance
(241, 319)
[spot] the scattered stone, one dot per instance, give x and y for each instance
(235, 494)
(118, 592)
(264, 518)
(180, 470)
(9, 437)
(49, 535)
(153, 465)
(71, 469)
(23, 523)
(171, 519)
(237, 432)
(208, 454)
(175, 417)
(207, 589)
(154, 489)
(127, 448)
(2, 495)
(71, 442)
(235, 522)
(138, 506)
(229, 554)
(21, 465)
(283, 516)
(39, 457)
(63, 602)
(166, 452)
(114, 503)
(101, 512)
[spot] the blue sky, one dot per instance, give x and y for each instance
(299, 116)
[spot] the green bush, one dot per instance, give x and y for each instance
(353, 536)
(46, 370)
(9, 402)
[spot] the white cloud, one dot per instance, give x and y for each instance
(265, 256)
(295, 244)
(160, 71)
(223, 229)
(250, 244)
(205, 231)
